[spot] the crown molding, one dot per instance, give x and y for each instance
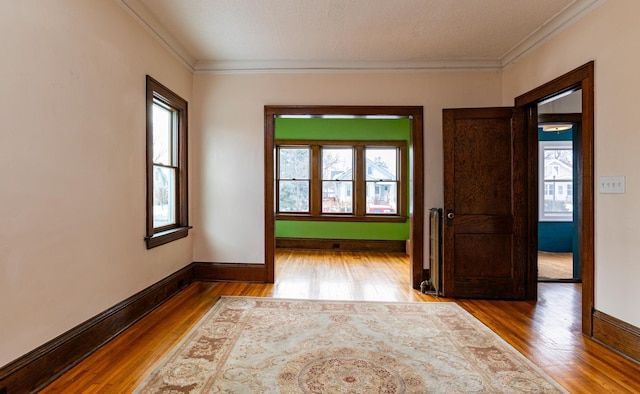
(286, 66)
(554, 26)
(140, 13)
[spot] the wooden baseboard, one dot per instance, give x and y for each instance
(617, 334)
(41, 366)
(351, 245)
(36, 369)
(229, 272)
(44, 364)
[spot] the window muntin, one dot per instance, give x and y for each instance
(348, 180)
(556, 177)
(167, 217)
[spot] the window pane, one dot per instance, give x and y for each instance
(381, 197)
(164, 196)
(294, 196)
(294, 163)
(381, 164)
(162, 135)
(337, 196)
(337, 164)
(558, 183)
(558, 198)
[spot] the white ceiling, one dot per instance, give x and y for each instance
(269, 35)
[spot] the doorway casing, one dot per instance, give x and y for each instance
(579, 78)
(416, 175)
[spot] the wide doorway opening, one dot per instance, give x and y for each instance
(300, 194)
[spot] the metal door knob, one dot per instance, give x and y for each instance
(450, 215)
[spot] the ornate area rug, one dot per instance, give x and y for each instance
(266, 345)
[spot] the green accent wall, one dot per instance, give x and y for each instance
(342, 230)
(342, 129)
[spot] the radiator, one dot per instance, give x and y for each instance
(432, 284)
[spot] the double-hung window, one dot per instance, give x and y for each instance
(556, 181)
(167, 216)
(341, 180)
(337, 179)
(294, 178)
(382, 180)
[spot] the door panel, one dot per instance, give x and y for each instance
(484, 248)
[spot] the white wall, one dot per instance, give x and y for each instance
(72, 166)
(72, 149)
(608, 35)
(228, 154)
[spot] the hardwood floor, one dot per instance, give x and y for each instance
(547, 332)
(555, 265)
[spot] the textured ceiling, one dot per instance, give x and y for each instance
(214, 35)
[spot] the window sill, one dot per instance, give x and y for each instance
(167, 236)
(343, 218)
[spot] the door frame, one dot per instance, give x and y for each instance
(416, 175)
(579, 78)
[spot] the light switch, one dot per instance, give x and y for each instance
(612, 184)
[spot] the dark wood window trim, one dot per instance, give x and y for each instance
(158, 93)
(359, 181)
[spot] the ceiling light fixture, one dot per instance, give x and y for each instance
(556, 127)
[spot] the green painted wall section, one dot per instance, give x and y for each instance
(342, 129)
(342, 230)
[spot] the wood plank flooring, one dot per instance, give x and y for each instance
(555, 265)
(547, 332)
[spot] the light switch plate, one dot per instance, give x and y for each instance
(612, 184)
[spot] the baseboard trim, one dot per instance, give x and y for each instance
(617, 334)
(351, 245)
(227, 272)
(41, 366)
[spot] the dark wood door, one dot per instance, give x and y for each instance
(485, 203)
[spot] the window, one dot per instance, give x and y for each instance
(294, 179)
(548, 189)
(341, 180)
(382, 180)
(167, 216)
(556, 177)
(337, 180)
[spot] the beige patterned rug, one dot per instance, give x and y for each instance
(266, 345)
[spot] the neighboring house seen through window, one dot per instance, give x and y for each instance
(167, 216)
